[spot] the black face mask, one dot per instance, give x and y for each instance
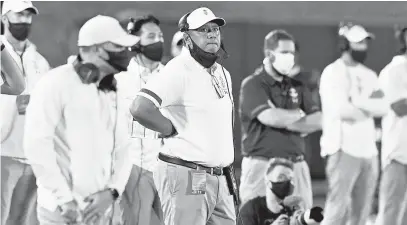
(282, 189)
(20, 31)
(358, 56)
(153, 51)
(206, 59)
(119, 60)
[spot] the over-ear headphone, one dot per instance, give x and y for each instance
(88, 72)
(183, 23)
(343, 43)
(400, 33)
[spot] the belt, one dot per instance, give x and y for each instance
(294, 159)
(218, 171)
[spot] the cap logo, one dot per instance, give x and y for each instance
(205, 12)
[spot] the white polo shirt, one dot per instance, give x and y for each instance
(145, 142)
(393, 80)
(338, 83)
(184, 93)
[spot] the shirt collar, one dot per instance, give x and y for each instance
(7, 44)
(134, 65)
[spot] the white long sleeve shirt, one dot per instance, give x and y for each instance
(74, 139)
(145, 144)
(34, 66)
(393, 81)
(338, 84)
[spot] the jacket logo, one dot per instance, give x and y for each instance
(294, 95)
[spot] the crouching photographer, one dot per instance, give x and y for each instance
(279, 207)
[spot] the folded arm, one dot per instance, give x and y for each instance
(43, 115)
(335, 97)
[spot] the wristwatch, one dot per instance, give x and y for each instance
(114, 193)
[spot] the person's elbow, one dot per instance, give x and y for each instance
(141, 108)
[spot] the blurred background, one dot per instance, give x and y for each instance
(313, 24)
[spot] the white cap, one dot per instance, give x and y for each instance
(355, 33)
(101, 29)
(176, 38)
(17, 6)
(201, 16)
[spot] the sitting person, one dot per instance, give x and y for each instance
(278, 207)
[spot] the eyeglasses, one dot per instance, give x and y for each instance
(207, 30)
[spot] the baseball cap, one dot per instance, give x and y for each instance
(356, 33)
(101, 29)
(201, 16)
(17, 6)
(176, 38)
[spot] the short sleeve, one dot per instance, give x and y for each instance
(166, 88)
(310, 103)
(391, 82)
(253, 98)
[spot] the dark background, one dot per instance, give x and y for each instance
(313, 24)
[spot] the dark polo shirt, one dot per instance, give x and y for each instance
(259, 139)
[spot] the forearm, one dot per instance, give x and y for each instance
(121, 170)
(307, 124)
(279, 118)
(151, 118)
(14, 82)
(350, 112)
(377, 107)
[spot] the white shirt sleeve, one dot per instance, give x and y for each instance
(391, 82)
(44, 113)
(166, 88)
(122, 164)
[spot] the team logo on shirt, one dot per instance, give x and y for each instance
(294, 95)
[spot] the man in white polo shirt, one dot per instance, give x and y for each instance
(75, 139)
(393, 185)
(190, 104)
(140, 199)
(350, 98)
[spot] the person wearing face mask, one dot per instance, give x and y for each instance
(351, 98)
(275, 111)
(75, 138)
(140, 199)
(278, 206)
(190, 104)
(18, 186)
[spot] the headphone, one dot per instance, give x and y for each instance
(400, 33)
(343, 43)
(88, 72)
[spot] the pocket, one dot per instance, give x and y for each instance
(172, 176)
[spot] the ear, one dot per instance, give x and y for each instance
(4, 19)
(269, 54)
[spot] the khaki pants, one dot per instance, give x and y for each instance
(47, 217)
(214, 207)
(253, 184)
(393, 195)
(18, 193)
(140, 202)
(352, 184)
